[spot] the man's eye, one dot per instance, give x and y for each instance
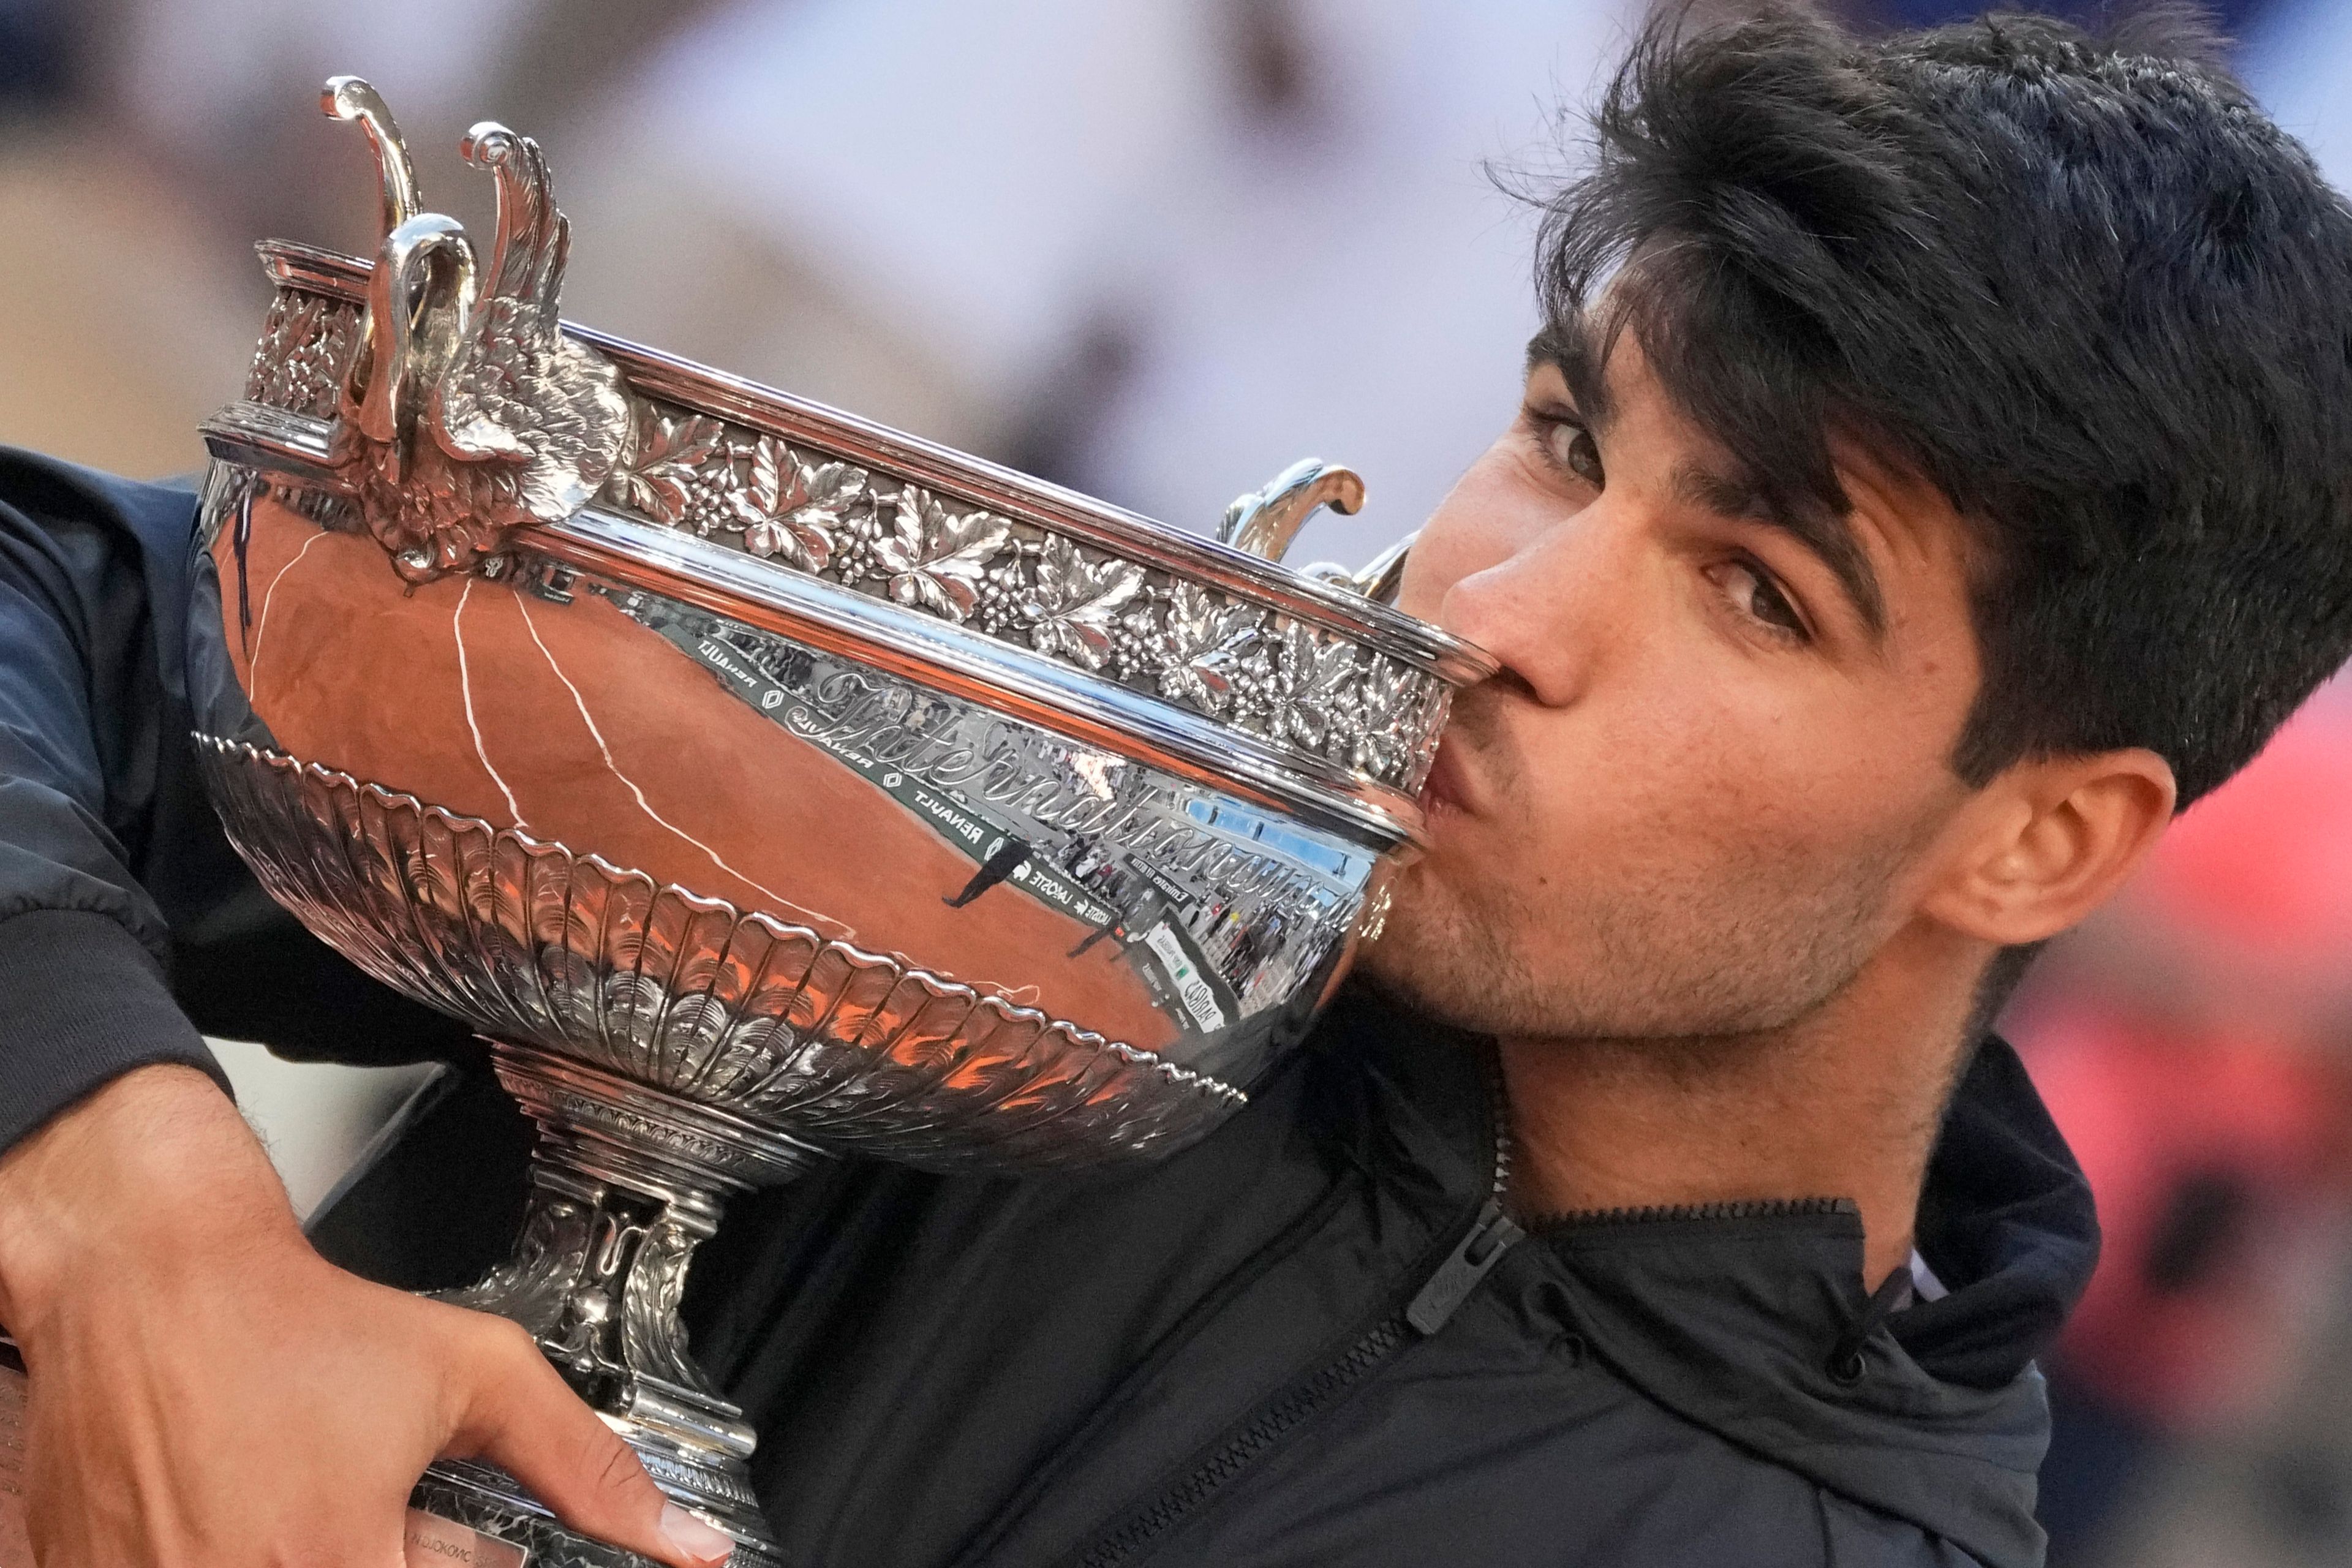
(1572, 447)
(1757, 596)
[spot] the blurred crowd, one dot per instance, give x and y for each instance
(1158, 249)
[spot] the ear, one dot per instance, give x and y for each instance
(2048, 841)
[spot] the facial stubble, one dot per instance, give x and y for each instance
(1741, 935)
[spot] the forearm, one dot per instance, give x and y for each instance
(152, 1173)
(104, 814)
(94, 787)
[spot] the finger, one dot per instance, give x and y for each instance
(523, 1417)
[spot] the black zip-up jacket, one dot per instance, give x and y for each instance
(1309, 1340)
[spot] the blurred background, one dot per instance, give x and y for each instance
(1158, 249)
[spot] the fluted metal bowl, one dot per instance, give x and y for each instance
(768, 757)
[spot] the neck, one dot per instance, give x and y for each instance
(1842, 1103)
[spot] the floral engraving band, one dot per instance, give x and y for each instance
(809, 510)
(1023, 583)
(304, 353)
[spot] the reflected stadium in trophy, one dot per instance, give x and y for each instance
(763, 784)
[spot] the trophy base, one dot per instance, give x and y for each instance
(505, 1528)
(626, 1181)
(461, 1515)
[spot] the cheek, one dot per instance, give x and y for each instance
(1675, 775)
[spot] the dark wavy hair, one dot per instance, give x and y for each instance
(2081, 285)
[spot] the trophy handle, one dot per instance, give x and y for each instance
(525, 422)
(352, 98)
(1380, 577)
(418, 296)
(1264, 522)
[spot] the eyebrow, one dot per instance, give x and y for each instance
(1821, 531)
(1568, 347)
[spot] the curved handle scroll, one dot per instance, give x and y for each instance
(352, 98)
(1264, 522)
(1380, 575)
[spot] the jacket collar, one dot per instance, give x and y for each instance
(1732, 1315)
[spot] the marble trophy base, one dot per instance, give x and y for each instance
(626, 1181)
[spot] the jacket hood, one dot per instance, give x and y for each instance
(1746, 1318)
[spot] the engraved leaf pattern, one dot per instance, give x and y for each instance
(306, 344)
(1073, 600)
(530, 1285)
(1390, 720)
(651, 1334)
(934, 556)
(792, 508)
(1195, 646)
(659, 479)
(514, 390)
(501, 386)
(292, 319)
(1312, 684)
(1206, 639)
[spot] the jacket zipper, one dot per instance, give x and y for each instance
(1273, 1423)
(1490, 1235)
(1738, 1208)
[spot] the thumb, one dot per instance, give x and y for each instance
(522, 1416)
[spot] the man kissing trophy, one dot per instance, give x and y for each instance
(1928, 476)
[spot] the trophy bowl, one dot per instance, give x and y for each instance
(761, 783)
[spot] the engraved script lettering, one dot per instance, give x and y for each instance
(436, 1543)
(846, 713)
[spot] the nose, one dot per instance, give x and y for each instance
(1549, 608)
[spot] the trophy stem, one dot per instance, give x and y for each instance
(627, 1182)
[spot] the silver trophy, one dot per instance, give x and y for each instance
(762, 783)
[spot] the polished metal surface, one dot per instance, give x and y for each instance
(796, 1035)
(763, 784)
(1264, 522)
(339, 283)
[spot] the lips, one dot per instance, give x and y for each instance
(1447, 791)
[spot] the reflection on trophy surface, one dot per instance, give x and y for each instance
(762, 783)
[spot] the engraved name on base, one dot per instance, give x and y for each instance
(436, 1543)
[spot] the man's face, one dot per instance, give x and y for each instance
(1705, 788)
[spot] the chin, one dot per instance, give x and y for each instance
(1433, 959)
(1466, 965)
